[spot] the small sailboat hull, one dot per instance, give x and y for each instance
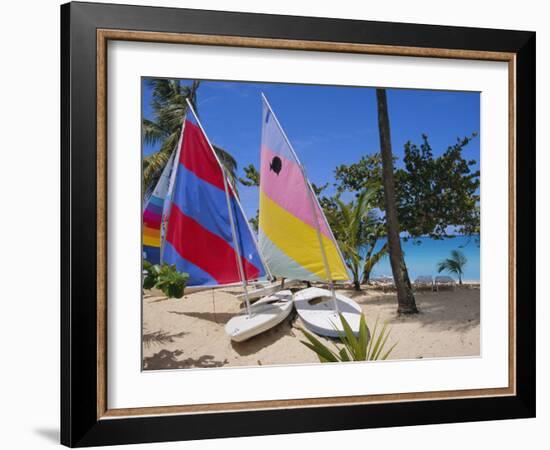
(266, 313)
(267, 289)
(315, 307)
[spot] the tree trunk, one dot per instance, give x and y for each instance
(405, 296)
(356, 285)
(366, 276)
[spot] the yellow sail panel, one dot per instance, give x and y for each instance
(299, 241)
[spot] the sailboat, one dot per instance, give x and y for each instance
(152, 215)
(295, 238)
(206, 233)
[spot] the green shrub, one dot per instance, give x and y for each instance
(166, 278)
(365, 347)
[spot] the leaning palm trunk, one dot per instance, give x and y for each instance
(372, 260)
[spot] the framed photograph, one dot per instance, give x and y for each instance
(276, 224)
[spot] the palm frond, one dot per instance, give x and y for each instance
(455, 264)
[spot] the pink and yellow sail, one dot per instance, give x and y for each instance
(294, 236)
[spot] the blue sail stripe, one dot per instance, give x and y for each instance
(207, 205)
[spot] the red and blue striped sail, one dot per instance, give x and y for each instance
(199, 237)
(153, 216)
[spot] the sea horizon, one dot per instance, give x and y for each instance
(423, 254)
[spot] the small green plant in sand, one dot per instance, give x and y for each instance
(166, 278)
(364, 347)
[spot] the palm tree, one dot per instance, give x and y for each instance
(169, 105)
(406, 303)
(349, 230)
(230, 165)
(352, 224)
(455, 264)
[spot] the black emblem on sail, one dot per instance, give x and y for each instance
(276, 165)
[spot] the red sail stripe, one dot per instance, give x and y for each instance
(204, 249)
(200, 161)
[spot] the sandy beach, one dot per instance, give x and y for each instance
(189, 332)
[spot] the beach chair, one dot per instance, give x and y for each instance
(424, 281)
(445, 281)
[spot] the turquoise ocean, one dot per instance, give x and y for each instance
(422, 258)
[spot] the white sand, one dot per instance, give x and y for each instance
(189, 332)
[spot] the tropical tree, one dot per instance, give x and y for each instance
(349, 227)
(405, 297)
(455, 264)
(352, 224)
(169, 105)
(252, 179)
(433, 194)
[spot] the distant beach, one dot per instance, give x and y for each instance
(422, 258)
(189, 332)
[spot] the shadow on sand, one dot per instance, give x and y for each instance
(166, 359)
(437, 310)
(219, 318)
(160, 337)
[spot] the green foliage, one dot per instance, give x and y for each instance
(169, 105)
(364, 347)
(251, 176)
(432, 193)
(350, 224)
(372, 259)
(230, 165)
(151, 275)
(166, 278)
(455, 264)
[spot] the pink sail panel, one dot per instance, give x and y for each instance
(293, 195)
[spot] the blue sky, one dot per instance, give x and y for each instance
(327, 125)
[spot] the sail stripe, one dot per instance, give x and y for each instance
(204, 249)
(152, 215)
(152, 232)
(153, 208)
(291, 195)
(203, 202)
(151, 253)
(202, 163)
(157, 201)
(152, 241)
(301, 244)
(280, 262)
(151, 219)
(199, 276)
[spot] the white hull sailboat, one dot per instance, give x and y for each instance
(208, 236)
(316, 309)
(295, 238)
(263, 315)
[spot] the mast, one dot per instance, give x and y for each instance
(168, 200)
(312, 200)
(230, 211)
